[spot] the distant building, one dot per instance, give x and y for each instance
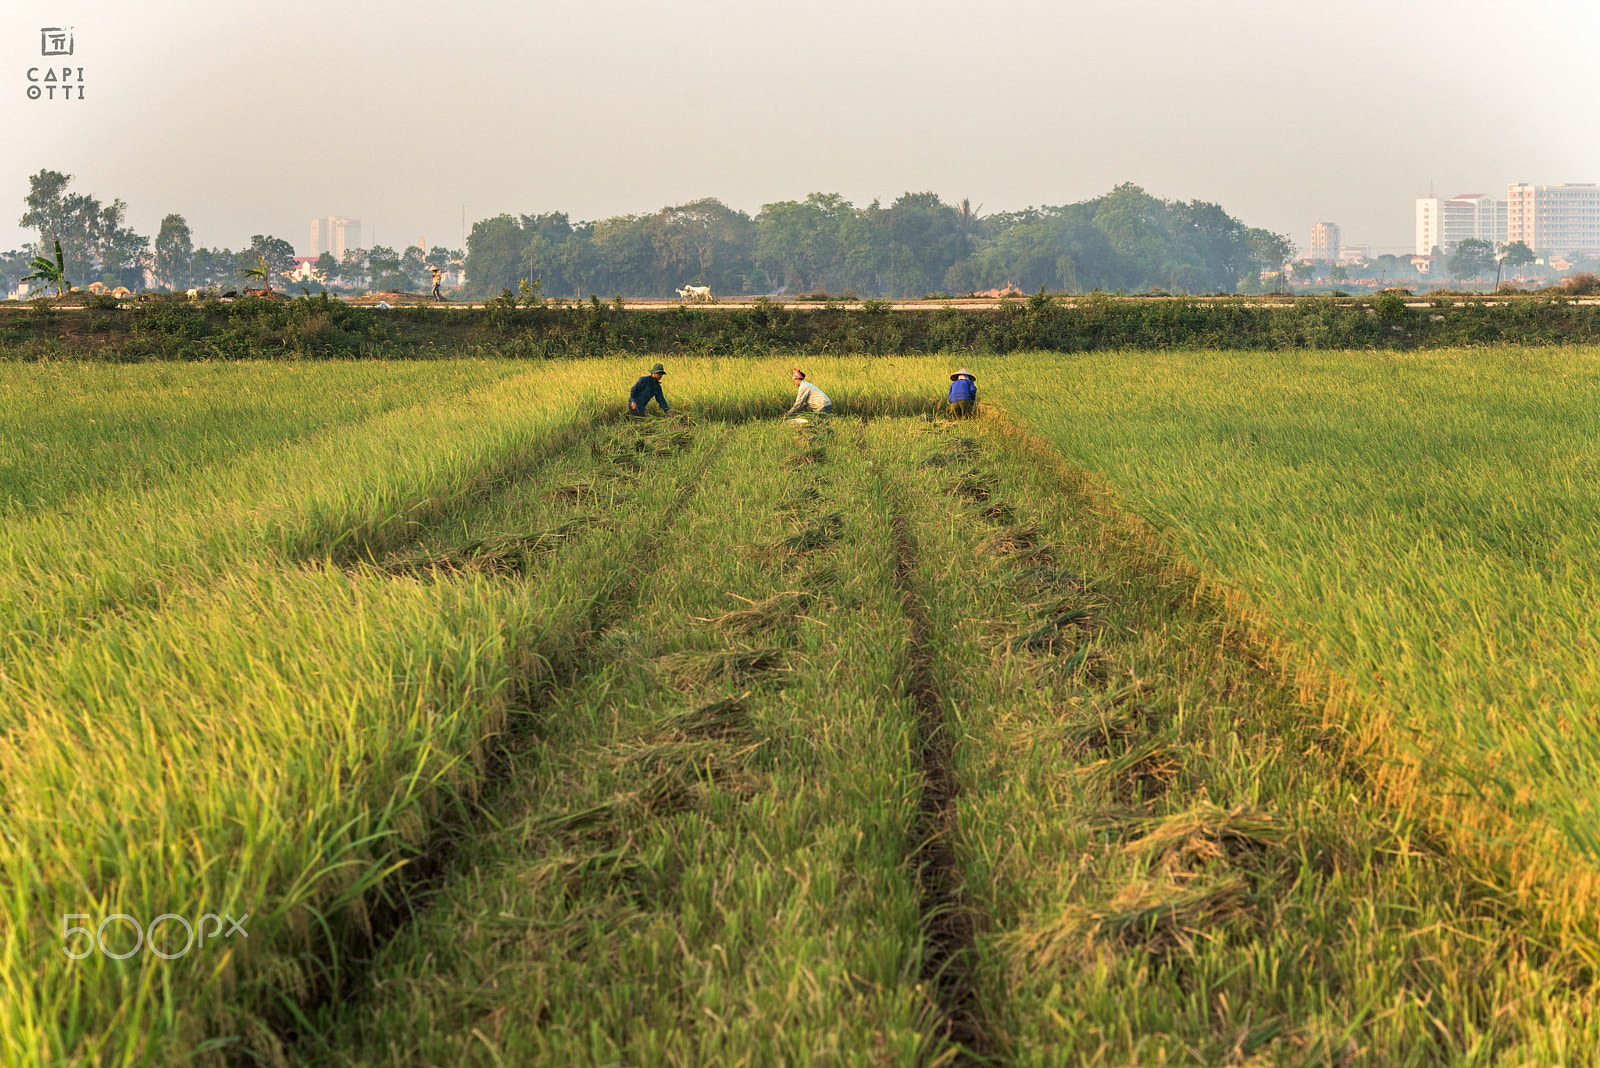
(1324, 242)
(1355, 253)
(305, 269)
(346, 236)
(1430, 225)
(1562, 218)
(334, 235)
(1443, 224)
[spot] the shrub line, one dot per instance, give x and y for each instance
(316, 328)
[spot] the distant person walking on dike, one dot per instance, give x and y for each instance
(648, 386)
(809, 397)
(963, 394)
(437, 278)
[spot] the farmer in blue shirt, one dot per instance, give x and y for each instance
(963, 393)
(649, 385)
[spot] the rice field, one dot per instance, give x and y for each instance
(1182, 709)
(1421, 527)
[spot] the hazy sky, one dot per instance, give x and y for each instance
(253, 118)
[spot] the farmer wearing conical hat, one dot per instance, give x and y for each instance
(648, 386)
(963, 394)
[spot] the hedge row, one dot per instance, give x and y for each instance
(318, 328)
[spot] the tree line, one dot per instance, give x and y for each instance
(1125, 240)
(97, 245)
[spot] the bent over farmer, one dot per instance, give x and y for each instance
(809, 396)
(648, 386)
(963, 393)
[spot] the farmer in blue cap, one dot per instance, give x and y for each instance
(963, 393)
(648, 386)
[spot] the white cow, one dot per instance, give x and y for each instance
(193, 294)
(696, 292)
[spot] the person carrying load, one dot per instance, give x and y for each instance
(809, 397)
(648, 386)
(963, 394)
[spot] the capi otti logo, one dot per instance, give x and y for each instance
(52, 82)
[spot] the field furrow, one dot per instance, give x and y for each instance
(948, 926)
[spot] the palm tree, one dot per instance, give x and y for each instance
(261, 271)
(49, 275)
(968, 223)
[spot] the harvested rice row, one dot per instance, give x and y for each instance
(274, 744)
(1172, 862)
(709, 862)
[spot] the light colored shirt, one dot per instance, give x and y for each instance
(809, 397)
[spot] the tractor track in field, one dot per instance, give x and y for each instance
(949, 928)
(412, 891)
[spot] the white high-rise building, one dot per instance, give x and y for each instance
(1430, 225)
(1443, 224)
(334, 235)
(1555, 218)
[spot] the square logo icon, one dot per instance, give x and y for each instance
(55, 41)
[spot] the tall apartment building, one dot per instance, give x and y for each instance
(1324, 242)
(1554, 218)
(335, 235)
(1444, 224)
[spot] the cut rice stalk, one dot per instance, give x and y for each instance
(696, 669)
(721, 719)
(819, 532)
(1155, 919)
(763, 615)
